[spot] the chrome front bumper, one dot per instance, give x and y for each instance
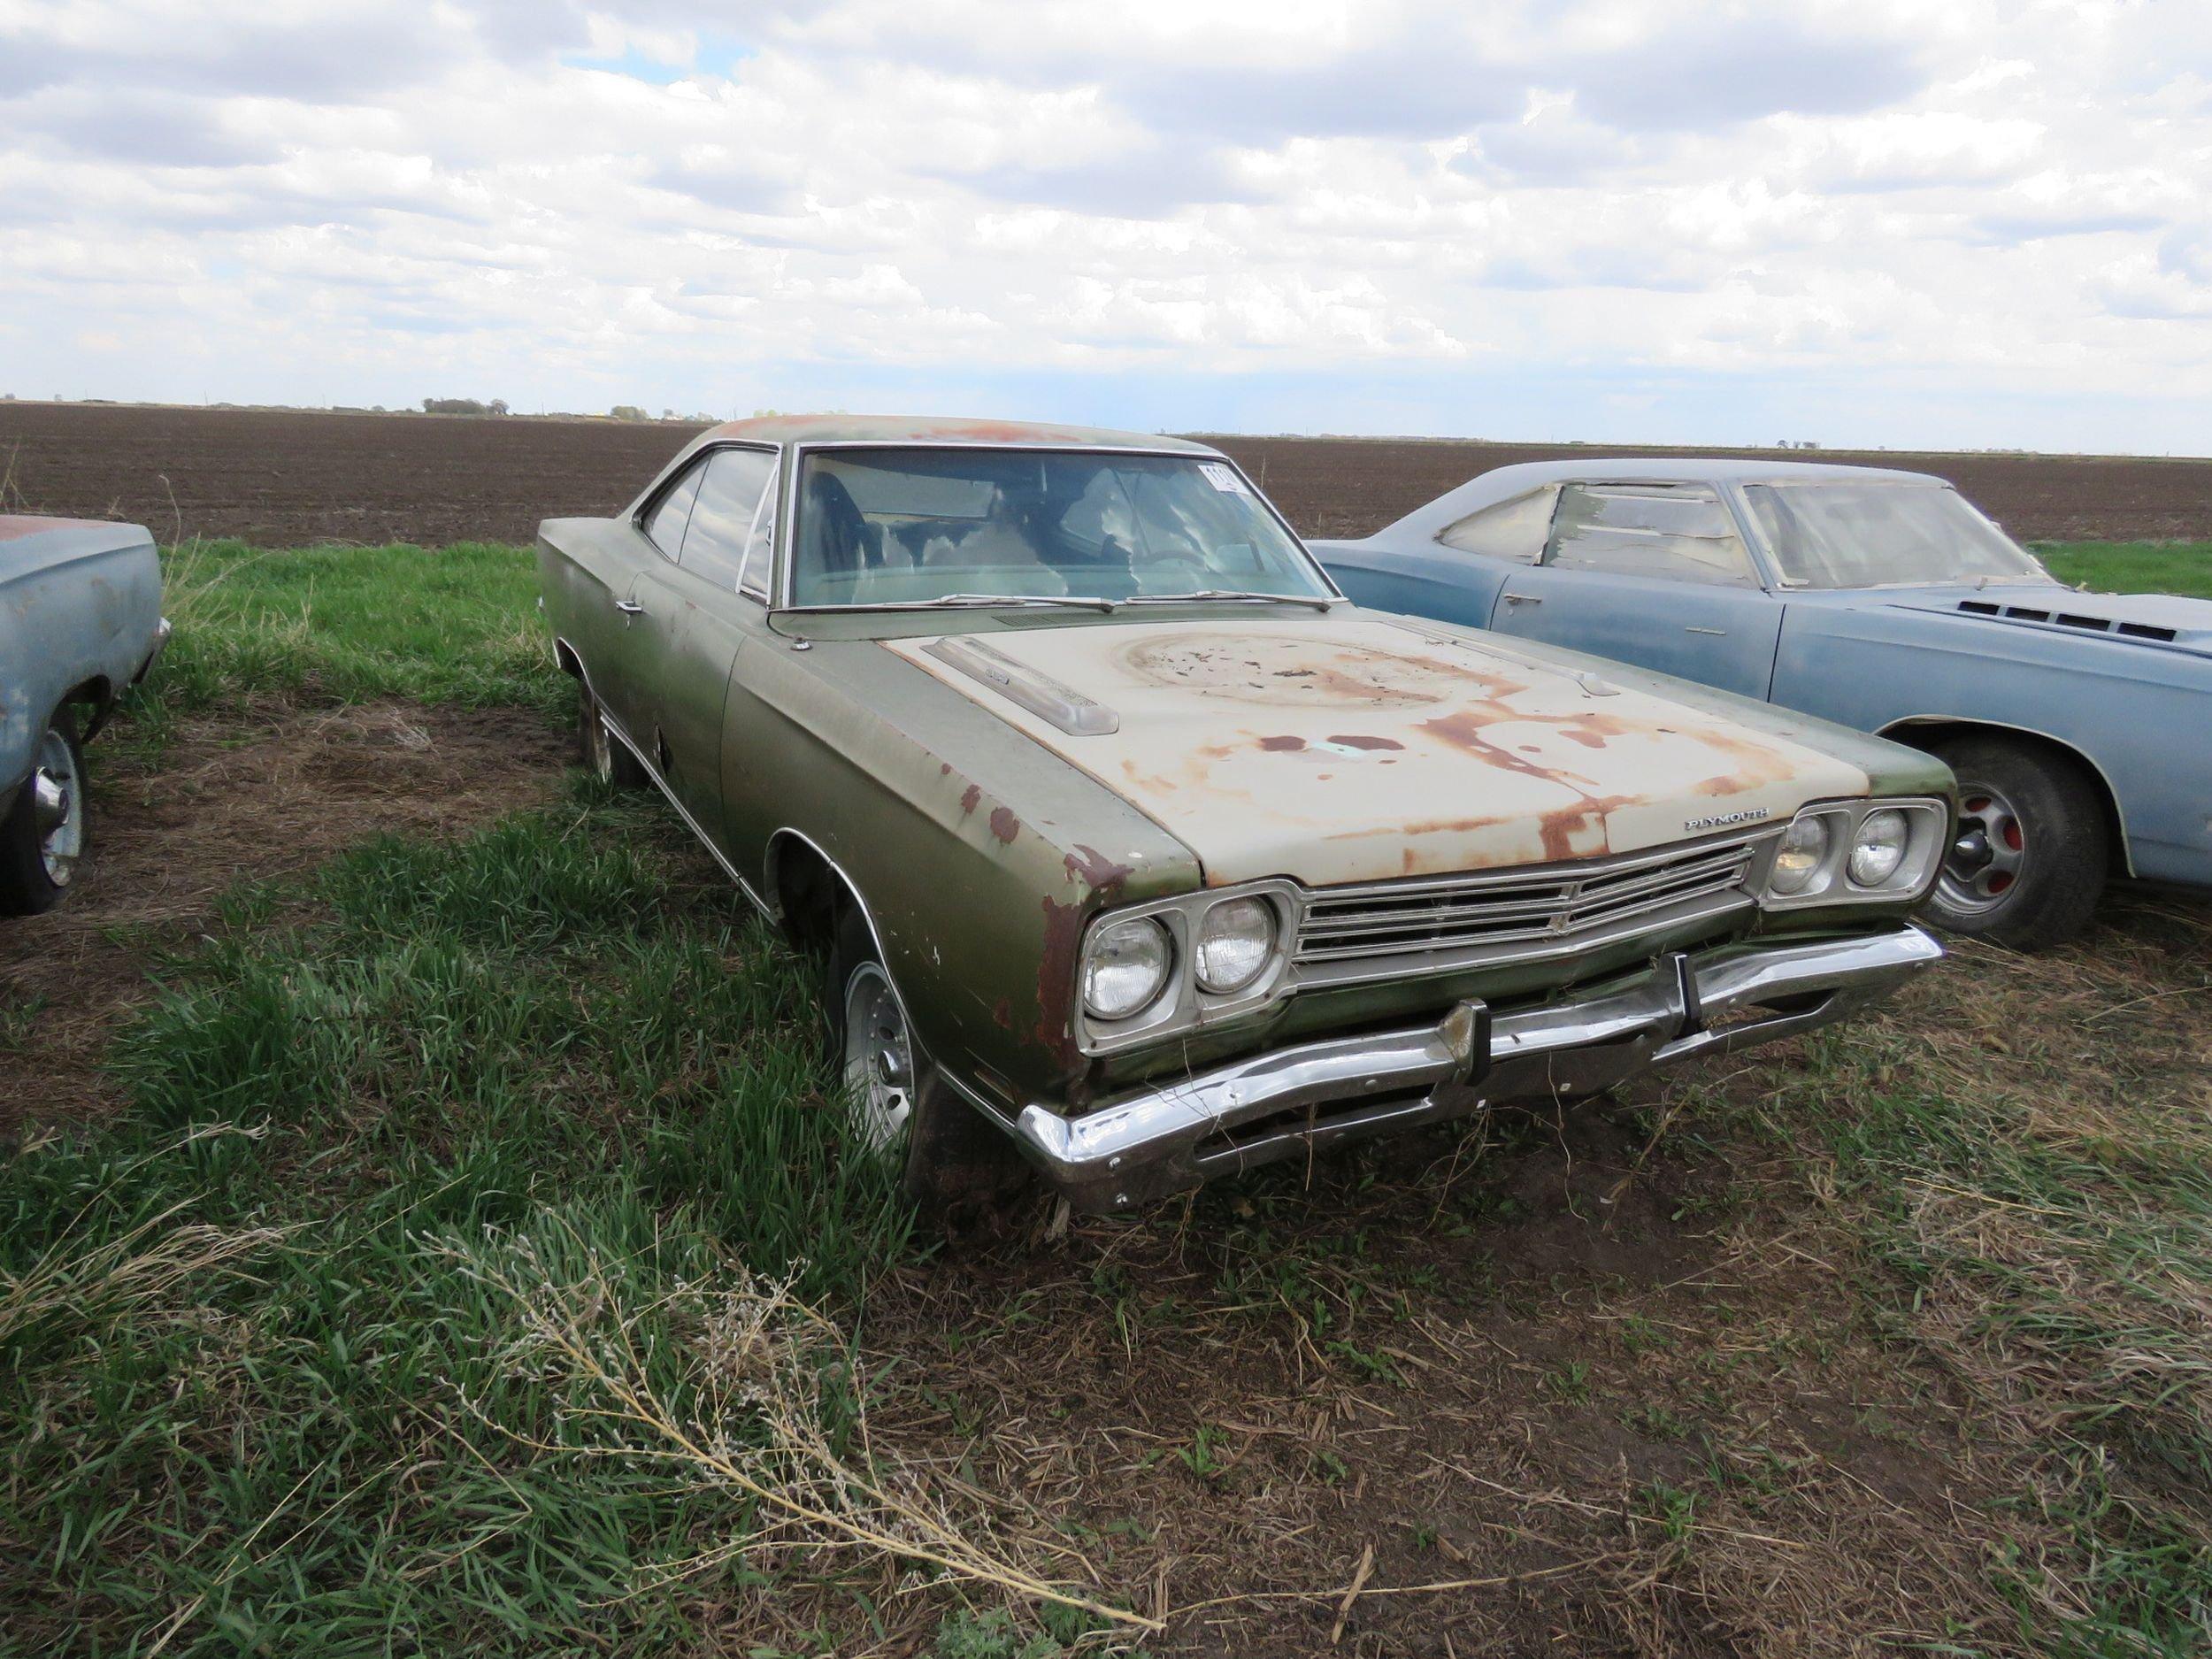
(1144, 1145)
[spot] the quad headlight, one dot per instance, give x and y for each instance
(1123, 967)
(1839, 851)
(1878, 846)
(1177, 964)
(1803, 852)
(1235, 938)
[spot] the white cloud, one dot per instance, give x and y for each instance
(1395, 213)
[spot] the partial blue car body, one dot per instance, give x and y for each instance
(2122, 682)
(79, 623)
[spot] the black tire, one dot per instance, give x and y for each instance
(29, 882)
(606, 756)
(952, 1160)
(2031, 825)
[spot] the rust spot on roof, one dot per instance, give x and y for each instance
(969, 799)
(1004, 825)
(1282, 745)
(1367, 742)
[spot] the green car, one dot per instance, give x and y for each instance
(1137, 850)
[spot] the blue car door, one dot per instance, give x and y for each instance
(1656, 574)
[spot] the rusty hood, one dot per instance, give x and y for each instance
(1353, 748)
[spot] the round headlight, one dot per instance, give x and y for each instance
(1234, 943)
(1123, 967)
(1803, 850)
(1879, 847)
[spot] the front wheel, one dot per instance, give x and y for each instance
(42, 834)
(2028, 861)
(903, 1110)
(606, 756)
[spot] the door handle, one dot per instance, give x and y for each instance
(629, 607)
(1524, 599)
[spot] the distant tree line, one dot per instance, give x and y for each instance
(462, 406)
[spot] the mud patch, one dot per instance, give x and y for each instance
(263, 792)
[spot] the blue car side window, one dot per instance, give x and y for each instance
(1513, 529)
(1679, 533)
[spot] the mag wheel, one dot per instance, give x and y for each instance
(2027, 863)
(42, 835)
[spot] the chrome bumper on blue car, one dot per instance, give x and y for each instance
(1156, 1141)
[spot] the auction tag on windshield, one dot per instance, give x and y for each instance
(1223, 477)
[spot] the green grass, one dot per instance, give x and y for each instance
(473, 1266)
(348, 625)
(2133, 567)
(269, 1366)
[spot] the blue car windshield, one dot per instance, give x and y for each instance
(1883, 535)
(895, 527)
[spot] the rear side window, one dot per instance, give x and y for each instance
(664, 523)
(1681, 533)
(1508, 530)
(714, 547)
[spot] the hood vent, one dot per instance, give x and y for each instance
(2068, 620)
(1025, 688)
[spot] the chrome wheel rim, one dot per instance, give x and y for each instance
(1988, 855)
(879, 1070)
(598, 742)
(58, 807)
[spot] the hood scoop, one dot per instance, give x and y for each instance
(2071, 620)
(1060, 706)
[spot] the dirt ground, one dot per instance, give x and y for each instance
(286, 477)
(250, 795)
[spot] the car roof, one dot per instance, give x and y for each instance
(1502, 483)
(839, 428)
(1676, 469)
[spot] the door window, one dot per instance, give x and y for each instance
(760, 541)
(1679, 532)
(1508, 529)
(722, 521)
(664, 522)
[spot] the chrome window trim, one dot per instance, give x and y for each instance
(683, 466)
(798, 452)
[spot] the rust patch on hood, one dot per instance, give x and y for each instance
(971, 798)
(1004, 825)
(1291, 672)
(1371, 759)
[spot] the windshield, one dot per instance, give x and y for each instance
(1883, 535)
(912, 526)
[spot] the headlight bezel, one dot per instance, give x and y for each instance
(1184, 1004)
(1927, 827)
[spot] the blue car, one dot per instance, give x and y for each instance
(2079, 725)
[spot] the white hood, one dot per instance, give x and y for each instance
(1353, 749)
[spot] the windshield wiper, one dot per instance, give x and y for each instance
(951, 601)
(1230, 595)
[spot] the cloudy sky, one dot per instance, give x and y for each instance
(1875, 222)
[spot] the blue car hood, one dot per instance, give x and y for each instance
(2166, 621)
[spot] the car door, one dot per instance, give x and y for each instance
(624, 654)
(1656, 574)
(688, 621)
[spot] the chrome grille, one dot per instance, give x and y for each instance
(1383, 927)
